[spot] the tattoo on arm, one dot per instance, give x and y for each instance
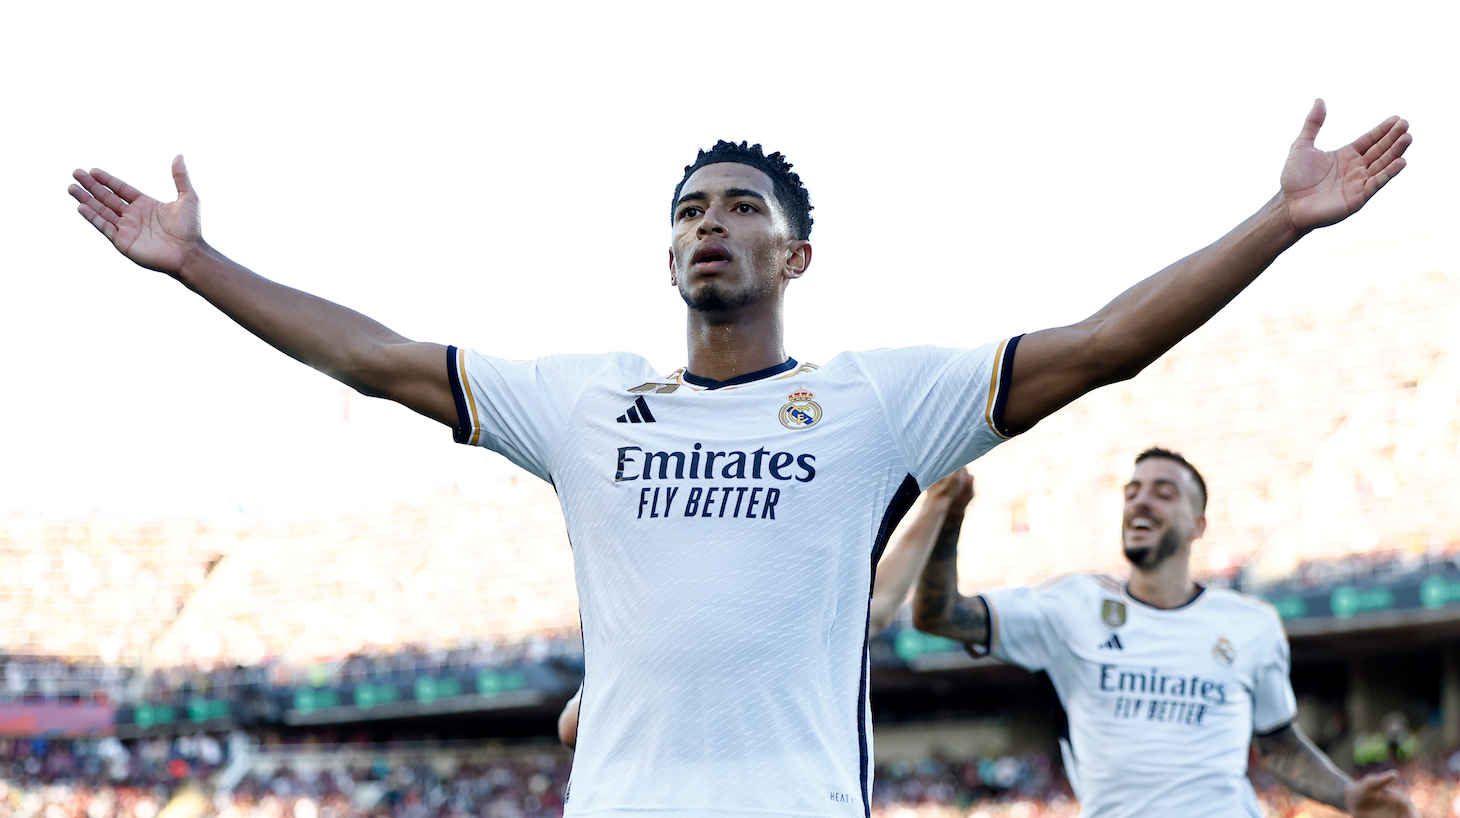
(1292, 759)
(937, 606)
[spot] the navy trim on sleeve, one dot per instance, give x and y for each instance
(982, 649)
(710, 384)
(1278, 729)
(1006, 373)
(462, 432)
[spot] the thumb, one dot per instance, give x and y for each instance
(180, 178)
(1316, 115)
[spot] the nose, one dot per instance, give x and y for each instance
(712, 223)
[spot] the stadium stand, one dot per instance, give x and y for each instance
(1329, 440)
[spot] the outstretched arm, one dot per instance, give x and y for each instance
(904, 559)
(1056, 366)
(335, 340)
(1293, 760)
(938, 608)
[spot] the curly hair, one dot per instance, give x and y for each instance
(1167, 454)
(790, 193)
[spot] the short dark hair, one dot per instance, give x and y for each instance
(1167, 454)
(790, 193)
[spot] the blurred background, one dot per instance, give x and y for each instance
(229, 586)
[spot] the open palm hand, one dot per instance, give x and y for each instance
(1324, 187)
(154, 235)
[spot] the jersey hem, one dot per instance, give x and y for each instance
(999, 389)
(1277, 728)
(466, 431)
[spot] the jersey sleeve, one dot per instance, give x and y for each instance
(515, 408)
(1020, 630)
(946, 406)
(1273, 703)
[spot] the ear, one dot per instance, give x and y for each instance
(1200, 528)
(798, 258)
(673, 274)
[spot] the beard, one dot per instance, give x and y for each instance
(713, 298)
(1147, 558)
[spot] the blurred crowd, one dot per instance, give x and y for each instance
(51, 678)
(105, 779)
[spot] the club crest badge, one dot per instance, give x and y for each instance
(1224, 652)
(1112, 612)
(802, 412)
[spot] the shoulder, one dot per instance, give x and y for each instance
(579, 363)
(1070, 590)
(1252, 611)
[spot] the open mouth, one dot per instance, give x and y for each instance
(710, 256)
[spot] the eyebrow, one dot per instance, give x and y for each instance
(732, 193)
(1158, 481)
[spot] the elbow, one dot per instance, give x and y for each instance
(1110, 355)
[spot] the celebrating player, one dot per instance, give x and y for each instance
(900, 565)
(726, 519)
(1165, 682)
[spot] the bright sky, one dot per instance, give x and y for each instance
(499, 177)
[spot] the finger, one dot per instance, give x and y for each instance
(104, 194)
(1383, 143)
(1316, 115)
(181, 179)
(1383, 177)
(128, 193)
(102, 226)
(1392, 152)
(1368, 140)
(86, 199)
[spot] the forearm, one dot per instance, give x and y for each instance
(1145, 321)
(900, 563)
(1292, 759)
(1056, 366)
(938, 608)
(336, 340)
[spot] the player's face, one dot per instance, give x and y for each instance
(1161, 512)
(731, 244)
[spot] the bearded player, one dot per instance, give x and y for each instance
(1165, 683)
(727, 518)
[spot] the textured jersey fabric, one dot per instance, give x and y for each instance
(1161, 704)
(724, 540)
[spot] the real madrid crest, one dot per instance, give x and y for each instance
(1112, 612)
(1224, 652)
(802, 412)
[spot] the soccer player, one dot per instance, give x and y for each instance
(726, 518)
(1165, 683)
(900, 565)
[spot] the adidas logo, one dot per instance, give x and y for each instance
(1113, 643)
(638, 413)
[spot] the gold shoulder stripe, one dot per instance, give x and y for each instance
(471, 401)
(988, 414)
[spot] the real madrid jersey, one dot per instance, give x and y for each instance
(724, 538)
(1162, 704)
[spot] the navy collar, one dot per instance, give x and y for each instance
(1200, 590)
(707, 383)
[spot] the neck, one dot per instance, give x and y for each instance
(726, 345)
(1168, 585)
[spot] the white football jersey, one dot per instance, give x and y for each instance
(1162, 704)
(724, 538)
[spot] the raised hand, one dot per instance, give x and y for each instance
(1374, 796)
(154, 235)
(1324, 187)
